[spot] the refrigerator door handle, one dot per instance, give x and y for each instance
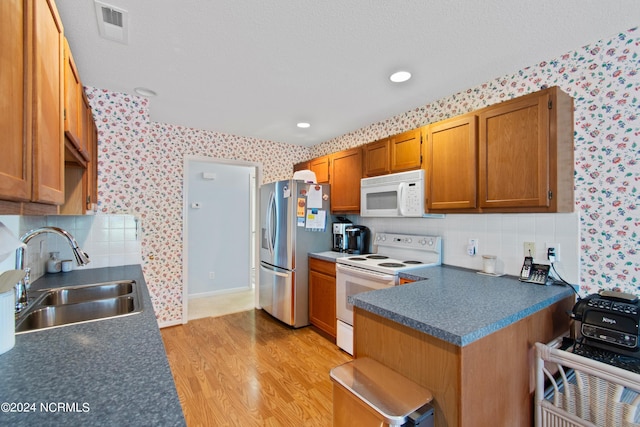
(270, 224)
(277, 273)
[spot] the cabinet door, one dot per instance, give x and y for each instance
(514, 153)
(320, 166)
(346, 173)
(48, 97)
(15, 161)
(322, 295)
(406, 151)
(451, 159)
(300, 166)
(92, 169)
(375, 157)
(72, 121)
(75, 106)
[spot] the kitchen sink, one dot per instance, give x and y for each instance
(75, 294)
(78, 304)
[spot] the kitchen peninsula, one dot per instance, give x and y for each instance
(108, 372)
(466, 337)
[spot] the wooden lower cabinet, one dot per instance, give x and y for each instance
(488, 382)
(322, 295)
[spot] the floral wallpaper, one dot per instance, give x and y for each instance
(604, 81)
(140, 173)
(140, 162)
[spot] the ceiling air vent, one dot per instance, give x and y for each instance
(112, 22)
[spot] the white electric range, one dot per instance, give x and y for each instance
(394, 253)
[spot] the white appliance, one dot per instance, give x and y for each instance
(395, 195)
(362, 273)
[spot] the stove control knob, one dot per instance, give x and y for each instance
(423, 242)
(409, 240)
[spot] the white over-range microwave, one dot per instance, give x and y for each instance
(395, 195)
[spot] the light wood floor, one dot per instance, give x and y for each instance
(248, 369)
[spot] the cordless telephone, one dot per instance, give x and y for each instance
(534, 273)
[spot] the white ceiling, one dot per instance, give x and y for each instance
(257, 67)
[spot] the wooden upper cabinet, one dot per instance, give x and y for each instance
(451, 163)
(15, 161)
(376, 158)
(320, 166)
(75, 106)
(397, 153)
(92, 170)
(48, 131)
(301, 166)
(406, 151)
(526, 154)
(346, 173)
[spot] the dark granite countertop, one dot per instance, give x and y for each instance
(108, 372)
(458, 305)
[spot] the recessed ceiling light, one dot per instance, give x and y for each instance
(400, 76)
(303, 125)
(144, 91)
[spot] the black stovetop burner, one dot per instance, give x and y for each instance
(391, 264)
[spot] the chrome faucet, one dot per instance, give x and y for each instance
(22, 297)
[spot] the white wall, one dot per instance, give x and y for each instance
(219, 233)
(502, 235)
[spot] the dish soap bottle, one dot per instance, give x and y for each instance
(53, 263)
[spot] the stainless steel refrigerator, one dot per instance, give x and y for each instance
(294, 220)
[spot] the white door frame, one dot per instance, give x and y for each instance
(185, 226)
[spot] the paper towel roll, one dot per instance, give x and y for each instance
(7, 321)
(8, 242)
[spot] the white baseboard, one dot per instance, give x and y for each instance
(171, 323)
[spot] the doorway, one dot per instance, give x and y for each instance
(219, 232)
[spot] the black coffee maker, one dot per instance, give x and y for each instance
(357, 239)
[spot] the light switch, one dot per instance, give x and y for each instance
(208, 175)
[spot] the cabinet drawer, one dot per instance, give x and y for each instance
(326, 267)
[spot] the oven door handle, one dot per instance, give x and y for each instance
(364, 274)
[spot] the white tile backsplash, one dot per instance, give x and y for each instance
(110, 240)
(502, 235)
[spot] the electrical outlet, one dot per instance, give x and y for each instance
(552, 249)
(529, 249)
(472, 247)
(212, 275)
